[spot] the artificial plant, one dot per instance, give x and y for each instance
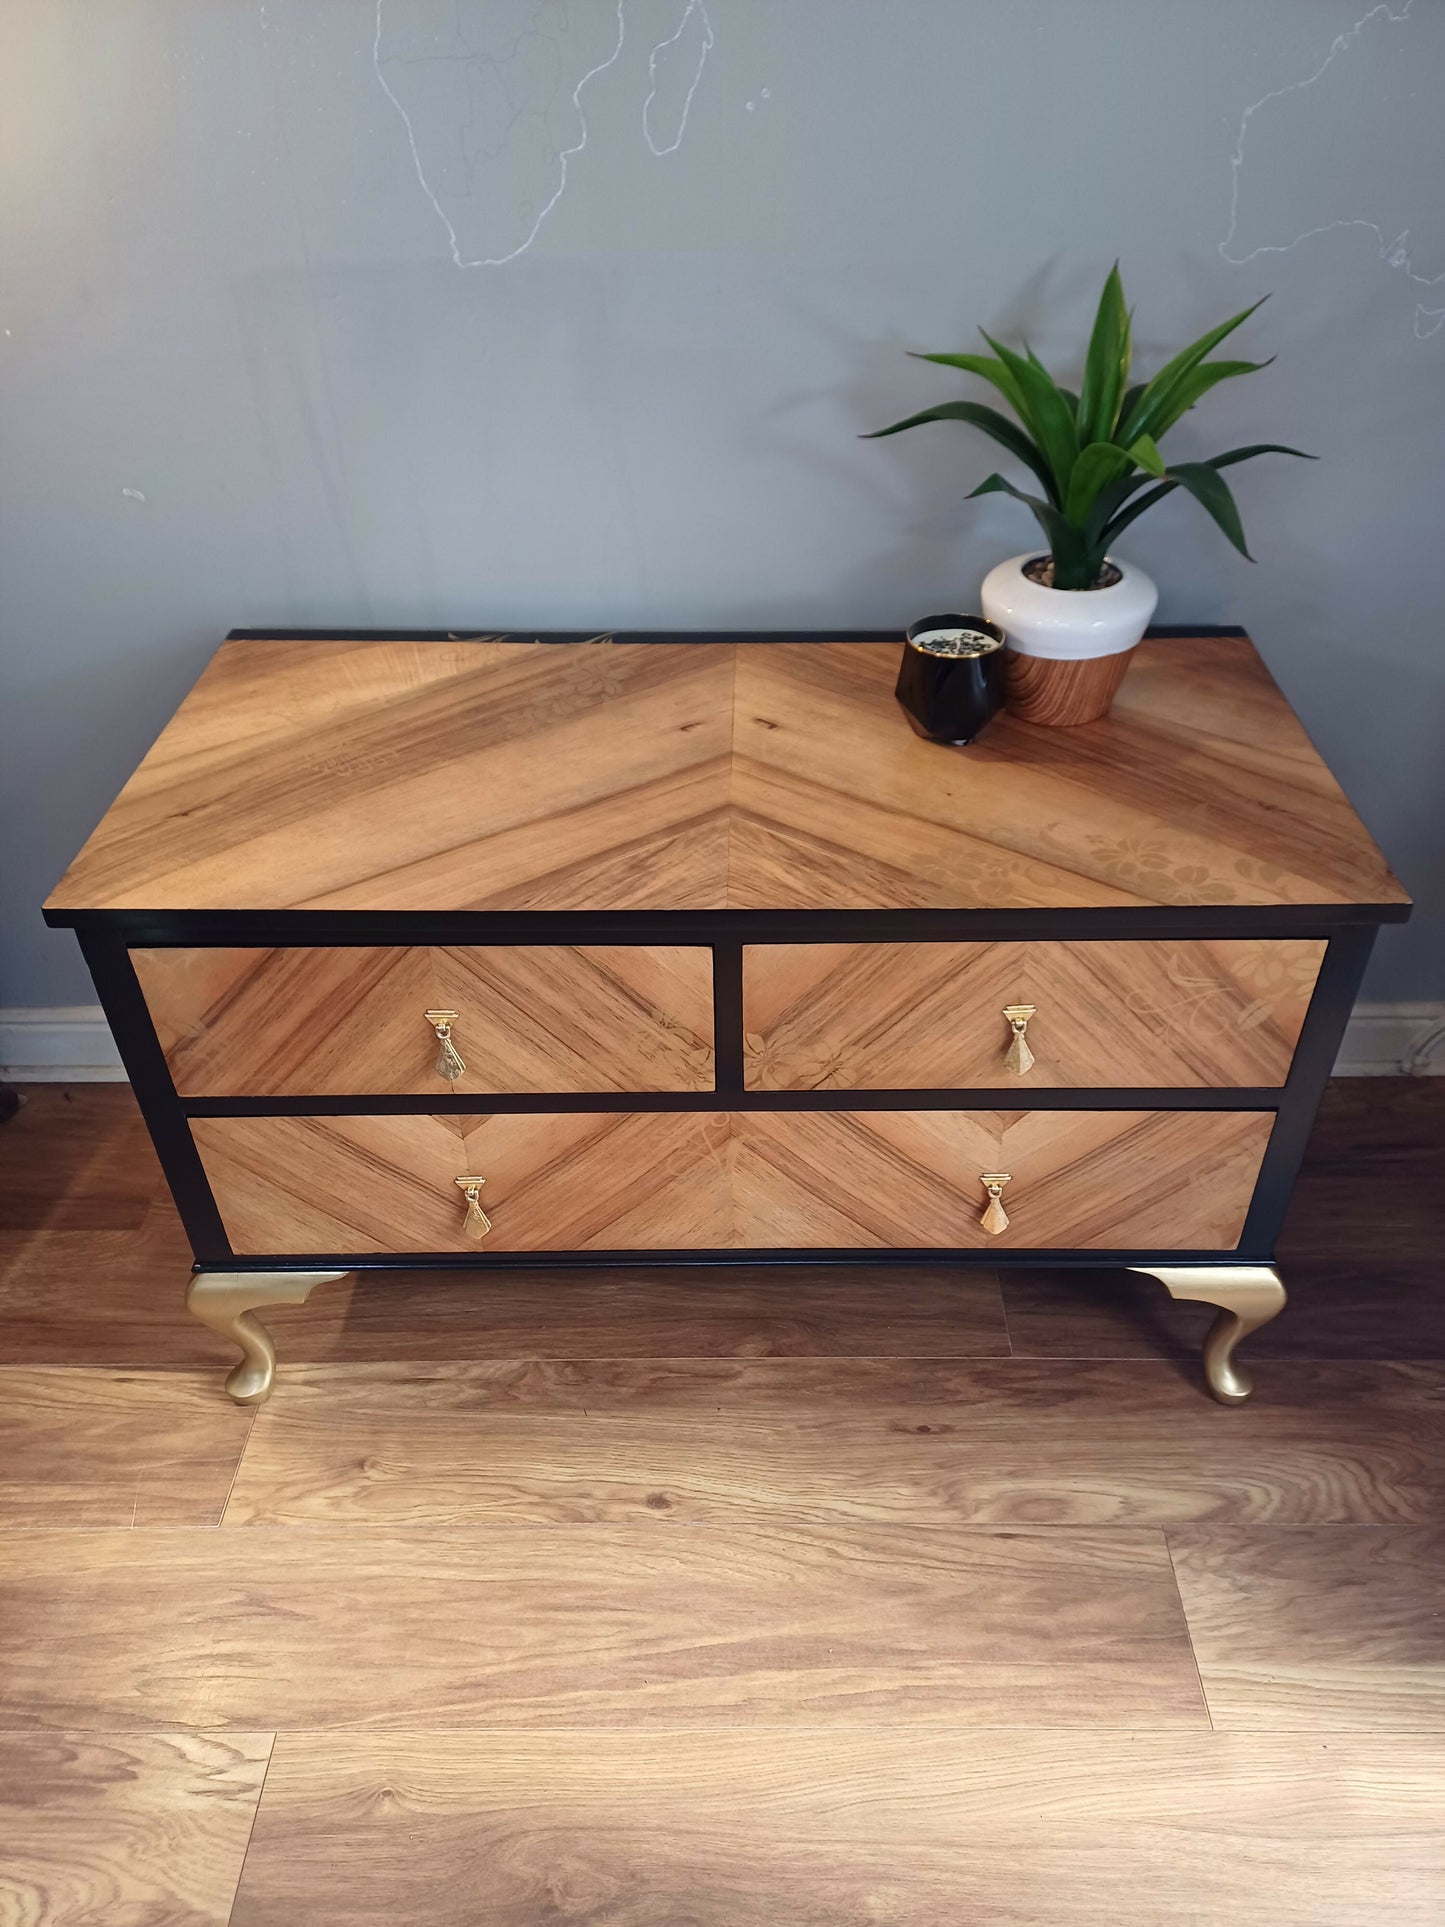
(1094, 451)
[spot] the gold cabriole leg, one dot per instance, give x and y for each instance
(225, 1300)
(1248, 1296)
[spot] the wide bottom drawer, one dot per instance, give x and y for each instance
(717, 1180)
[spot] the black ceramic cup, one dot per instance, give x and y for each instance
(950, 681)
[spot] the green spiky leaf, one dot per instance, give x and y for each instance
(1106, 366)
(1008, 434)
(1060, 534)
(1098, 465)
(1151, 412)
(1198, 383)
(1049, 519)
(1212, 492)
(1106, 506)
(1111, 533)
(1044, 412)
(1095, 453)
(989, 370)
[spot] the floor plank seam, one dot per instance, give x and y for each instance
(236, 1471)
(251, 1830)
(1187, 1732)
(1189, 1633)
(1007, 1328)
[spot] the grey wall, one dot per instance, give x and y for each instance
(246, 381)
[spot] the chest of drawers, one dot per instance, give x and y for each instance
(475, 951)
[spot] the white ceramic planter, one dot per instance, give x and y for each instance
(1068, 649)
(1068, 625)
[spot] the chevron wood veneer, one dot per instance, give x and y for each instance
(925, 1016)
(428, 775)
(730, 949)
(556, 1181)
(1101, 1180)
(312, 1022)
(1200, 787)
(493, 774)
(638, 1180)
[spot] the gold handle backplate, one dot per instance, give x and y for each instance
(995, 1218)
(448, 1065)
(476, 1224)
(1020, 1058)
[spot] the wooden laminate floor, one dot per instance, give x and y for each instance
(732, 1598)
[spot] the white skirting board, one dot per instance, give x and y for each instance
(70, 1044)
(73, 1044)
(1394, 1040)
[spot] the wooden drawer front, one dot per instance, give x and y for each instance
(648, 1180)
(1086, 1180)
(351, 1022)
(565, 1182)
(928, 1016)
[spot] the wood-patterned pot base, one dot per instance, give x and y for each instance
(1042, 689)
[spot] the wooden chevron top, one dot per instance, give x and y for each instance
(673, 775)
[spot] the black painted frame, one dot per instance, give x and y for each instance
(107, 937)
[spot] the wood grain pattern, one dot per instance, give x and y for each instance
(1062, 694)
(577, 1180)
(1359, 1252)
(1200, 787)
(929, 1016)
(776, 1696)
(1352, 1308)
(910, 1829)
(641, 1312)
(562, 1181)
(1372, 1180)
(115, 1448)
(528, 1627)
(134, 1831)
(453, 775)
(314, 1022)
(428, 775)
(1161, 1180)
(1373, 1186)
(843, 1443)
(1335, 1629)
(102, 1297)
(76, 1157)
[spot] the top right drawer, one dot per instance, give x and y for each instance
(1102, 1015)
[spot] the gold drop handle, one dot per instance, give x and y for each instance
(476, 1224)
(995, 1218)
(1020, 1058)
(448, 1065)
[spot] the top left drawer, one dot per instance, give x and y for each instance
(357, 1021)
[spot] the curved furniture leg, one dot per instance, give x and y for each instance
(1248, 1296)
(225, 1300)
